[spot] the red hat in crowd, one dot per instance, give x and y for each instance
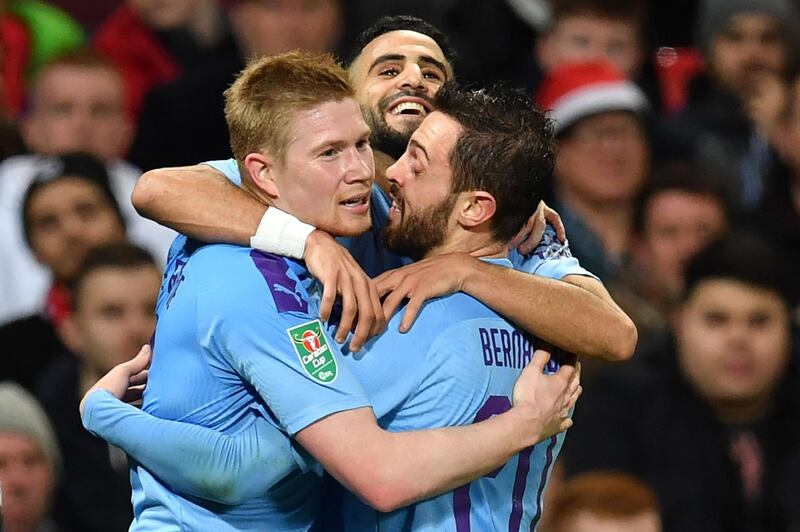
(574, 91)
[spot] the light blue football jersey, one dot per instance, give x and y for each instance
(457, 365)
(238, 343)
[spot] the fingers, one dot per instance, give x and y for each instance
(366, 314)
(392, 302)
(387, 281)
(380, 319)
(328, 297)
(140, 362)
(540, 359)
(139, 378)
(522, 235)
(410, 314)
(554, 219)
(133, 394)
(349, 308)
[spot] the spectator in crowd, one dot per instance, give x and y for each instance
(182, 121)
(750, 47)
(714, 432)
(33, 34)
(602, 161)
(29, 462)
(67, 211)
(780, 208)
(114, 296)
(76, 104)
(680, 211)
(588, 30)
(603, 502)
(155, 42)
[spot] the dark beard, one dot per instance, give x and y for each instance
(386, 140)
(383, 138)
(417, 234)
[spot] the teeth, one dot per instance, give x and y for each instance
(409, 106)
(355, 201)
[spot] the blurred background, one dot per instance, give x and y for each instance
(678, 179)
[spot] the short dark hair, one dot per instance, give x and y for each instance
(686, 177)
(74, 165)
(391, 23)
(507, 148)
(744, 257)
(121, 255)
(634, 11)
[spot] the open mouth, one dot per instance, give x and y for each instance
(397, 200)
(356, 201)
(410, 107)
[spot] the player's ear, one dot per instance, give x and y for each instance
(475, 208)
(260, 167)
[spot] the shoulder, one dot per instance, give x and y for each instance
(16, 174)
(233, 277)
(441, 321)
(454, 308)
(228, 167)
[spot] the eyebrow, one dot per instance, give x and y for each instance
(425, 59)
(416, 144)
(340, 143)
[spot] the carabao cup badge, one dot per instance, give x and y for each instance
(315, 355)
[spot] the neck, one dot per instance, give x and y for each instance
(471, 244)
(206, 24)
(743, 413)
(250, 187)
(611, 221)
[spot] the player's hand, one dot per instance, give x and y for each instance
(125, 381)
(421, 281)
(543, 401)
(531, 233)
(341, 275)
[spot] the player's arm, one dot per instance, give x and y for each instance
(200, 202)
(191, 459)
(299, 372)
(575, 313)
(389, 470)
(204, 203)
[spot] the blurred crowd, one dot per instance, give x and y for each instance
(677, 178)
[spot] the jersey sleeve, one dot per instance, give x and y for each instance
(228, 167)
(550, 259)
(259, 323)
(195, 460)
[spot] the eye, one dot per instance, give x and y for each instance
(715, 319)
(330, 152)
(433, 74)
(111, 312)
(362, 144)
(389, 72)
(87, 211)
(760, 320)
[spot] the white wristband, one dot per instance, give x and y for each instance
(281, 233)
